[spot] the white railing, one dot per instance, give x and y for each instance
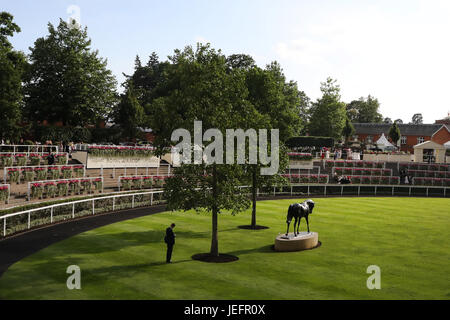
(293, 170)
(137, 177)
(43, 182)
(36, 147)
(9, 191)
(135, 169)
(73, 205)
(20, 169)
(358, 171)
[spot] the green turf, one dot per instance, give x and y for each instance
(408, 238)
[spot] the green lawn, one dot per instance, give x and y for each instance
(408, 238)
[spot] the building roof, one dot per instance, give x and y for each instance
(429, 145)
(405, 129)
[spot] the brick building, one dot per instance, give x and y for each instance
(411, 134)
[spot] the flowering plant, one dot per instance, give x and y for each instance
(78, 170)
(41, 173)
(365, 180)
(50, 189)
(37, 190)
(298, 156)
(87, 185)
(120, 151)
(62, 188)
(66, 172)
(21, 159)
(375, 180)
(4, 193)
(14, 175)
(35, 159)
(98, 184)
(28, 174)
(7, 160)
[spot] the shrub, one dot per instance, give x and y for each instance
(98, 183)
(314, 179)
(368, 164)
(21, 159)
(62, 188)
(61, 159)
(14, 175)
(304, 179)
(147, 182)
(296, 156)
(28, 174)
(125, 183)
(365, 180)
(375, 180)
(41, 173)
(384, 180)
(137, 182)
(74, 186)
(54, 173)
(66, 172)
(356, 179)
(37, 190)
(87, 185)
(7, 160)
(4, 193)
(35, 159)
(428, 181)
(50, 189)
(394, 180)
(78, 171)
(323, 178)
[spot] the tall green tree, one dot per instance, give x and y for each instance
(394, 133)
(198, 86)
(68, 82)
(349, 130)
(417, 119)
(12, 67)
(364, 110)
(129, 114)
(328, 113)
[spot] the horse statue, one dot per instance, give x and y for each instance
(297, 211)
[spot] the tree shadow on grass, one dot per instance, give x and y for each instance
(263, 249)
(99, 243)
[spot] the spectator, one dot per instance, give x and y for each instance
(51, 159)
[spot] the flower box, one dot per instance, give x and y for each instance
(375, 180)
(62, 188)
(367, 172)
(304, 179)
(41, 173)
(394, 180)
(66, 172)
(98, 183)
(14, 175)
(427, 181)
(376, 172)
(348, 171)
(50, 189)
(21, 160)
(437, 182)
(314, 179)
(323, 178)
(360, 164)
(356, 179)
(338, 171)
(37, 190)
(78, 171)
(125, 183)
(365, 180)
(384, 180)
(379, 164)
(386, 172)
(147, 182)
(137, 182)
(35, 159)
(446, 182)
(28, 174)
(4, 193)
(349, 164)
(329, 163)
(418, 181)
(7, 160)
(86, 185)
(368, 164)
(74, 187)
(297, 156)
(54, 173)
(61, 159)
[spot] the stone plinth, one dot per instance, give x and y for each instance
(302, 241)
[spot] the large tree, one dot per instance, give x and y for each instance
(348, 131)
(199, 86)
(394, 133)
(328, 113)
(68, 82)
(12, 66)
(129, 114)
(417, 119)
(364, 110)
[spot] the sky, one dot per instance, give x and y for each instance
(396, 51)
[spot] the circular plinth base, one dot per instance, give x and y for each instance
(302, 241)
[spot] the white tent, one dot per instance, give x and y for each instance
(383, 143)
(447, 145)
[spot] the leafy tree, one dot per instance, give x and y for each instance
(129, 114)
(399, 121)
(68, 82)
(328, 113)
(387, 120)
(12, 67)
(394, 133)
(198, 85)
(240, 61)
(348, 130)
(364, 110)
(417, 118)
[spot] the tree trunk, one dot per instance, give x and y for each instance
(254, 187)
(214, 237)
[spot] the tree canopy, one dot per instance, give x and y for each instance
(68, 82)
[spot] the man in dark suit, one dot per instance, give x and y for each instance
(170, 240)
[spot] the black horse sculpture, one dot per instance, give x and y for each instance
(297, 211)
